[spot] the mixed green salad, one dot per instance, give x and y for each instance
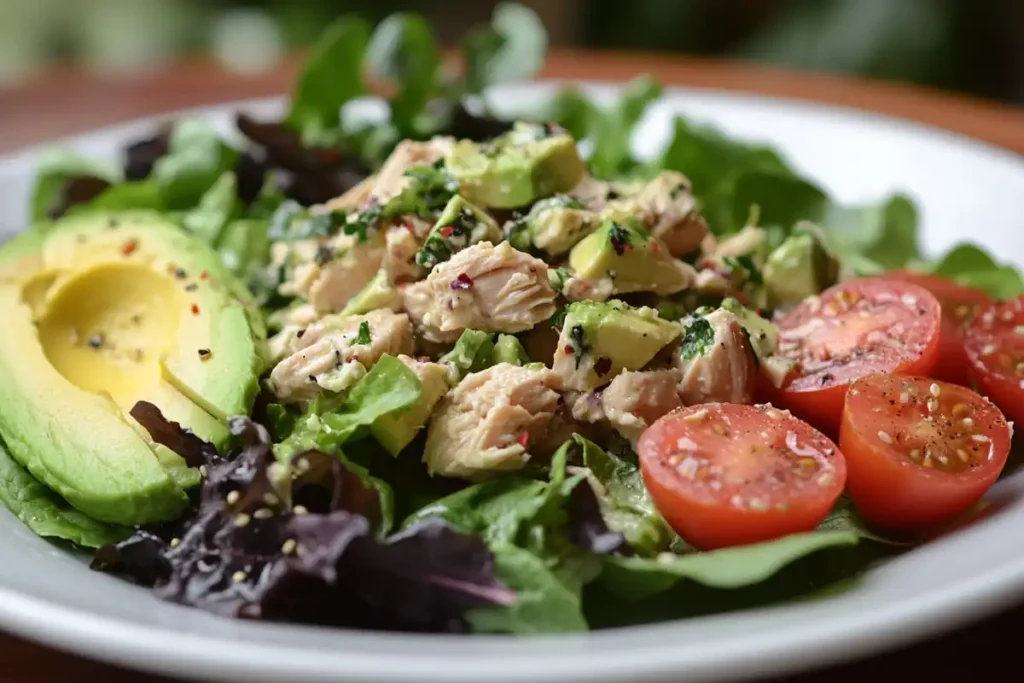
(452, 371)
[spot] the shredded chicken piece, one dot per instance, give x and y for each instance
(488, 422)
(325, 355)
(669, 210)
(401, 246)
(727, 369)
(417, 299)
(342, 266)
(391, 178)
(489, 288)
(635, 400)
(355, 198)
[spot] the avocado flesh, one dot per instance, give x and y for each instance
(108, 311)
(76, 442)
(204, 303)
(517, 168)
(633, 259)
(378, 293)
(599, 340)
(508, 349)
(395, 432)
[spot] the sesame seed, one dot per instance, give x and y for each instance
(1006, 316)
(884, 437)
(203, 471)
(962, 454)
(271, 499)
(758, 504)
(239, 576)
(263, 513)
(933, 405)
(968, 422)
(697, 416)
(233, 497)
(943, 459)
(935, 390)
(980, 438)
(242, 520)
(909, 300)
(1019, 329)
(905, 397)
(826, 479)
(299, 510)
(175, 542)
(289, 546)
(988, 349)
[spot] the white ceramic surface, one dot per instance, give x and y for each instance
(964, 189)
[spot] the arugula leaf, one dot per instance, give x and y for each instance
(196, 157)
(55, 168)
(512, 48)
(636, 578)
(544, 603)
(403, 50)
(971, 265)
(47, 514)
(626, 505)
(217, 207)
(332, 75)
(884, 233)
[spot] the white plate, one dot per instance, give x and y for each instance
(964, 189)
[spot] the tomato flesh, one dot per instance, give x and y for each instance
(919, 451)
(854, 329)
(995, 349)
(727, 474)
(960, 305)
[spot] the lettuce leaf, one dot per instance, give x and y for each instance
(57, 167)
(402, 51)
(971, 265)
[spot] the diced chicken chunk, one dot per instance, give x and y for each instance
(417, 300)
(401, 246)
(669, 210)
(724, 369)
(339, 269)
(391, 178)
(579, 289)
(489, 288)
(487, 423)
(334, 352)
(635, 400)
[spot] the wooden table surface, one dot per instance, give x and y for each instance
(66, 101)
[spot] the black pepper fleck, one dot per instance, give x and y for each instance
(191, 287)
(298, 335)
(96, 341)
(180, 274)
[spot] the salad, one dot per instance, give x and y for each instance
(452, 371)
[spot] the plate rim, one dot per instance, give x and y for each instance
(103, 637)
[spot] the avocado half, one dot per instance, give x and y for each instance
(102, 311)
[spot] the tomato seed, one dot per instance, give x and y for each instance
(884, 437)
(962, 454)
(935, 390)
(915, 455)
(980, 438)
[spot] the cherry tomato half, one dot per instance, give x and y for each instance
(854, 329)
(919, 451)
(960, 304)
(995, 349)
(724, 474)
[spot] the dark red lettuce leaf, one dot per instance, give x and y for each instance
(249, 550)
(140, 156)
(587, 528)
(77, 190)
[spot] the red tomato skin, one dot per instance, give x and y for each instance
(896, 494)
(1006, 392)
(953, 364)
(823, 407)
(711, 524)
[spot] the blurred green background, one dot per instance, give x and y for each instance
(973, 46)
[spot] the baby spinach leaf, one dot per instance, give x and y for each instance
(625, 503)
(511, 48)
(47, 514)
(195, 159)
(971, 265)
(403, 51)
(332, 75)
(885, 233)
(543, 604)
(636, 578)
(56, 168)
(217, 207)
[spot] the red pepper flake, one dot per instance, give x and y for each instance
(129, 246)
(524, 439)
(349, 359)
(407, 222)
(567, 349)
(463, 281)
(446, 231)
(195, 309)
(654, 247)
(205, 354)
(203, 275)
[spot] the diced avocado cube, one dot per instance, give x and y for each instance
(508, 349)
(633, 259)
(798, 268)
(461, 225)
(378, 293)
(395, 432)
(554, 225)
(529, 162)
(599, 340)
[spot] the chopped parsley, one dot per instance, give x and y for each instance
(697, 338)
(363, 337)
(435, 250)
(744, 264)
(620, 238)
